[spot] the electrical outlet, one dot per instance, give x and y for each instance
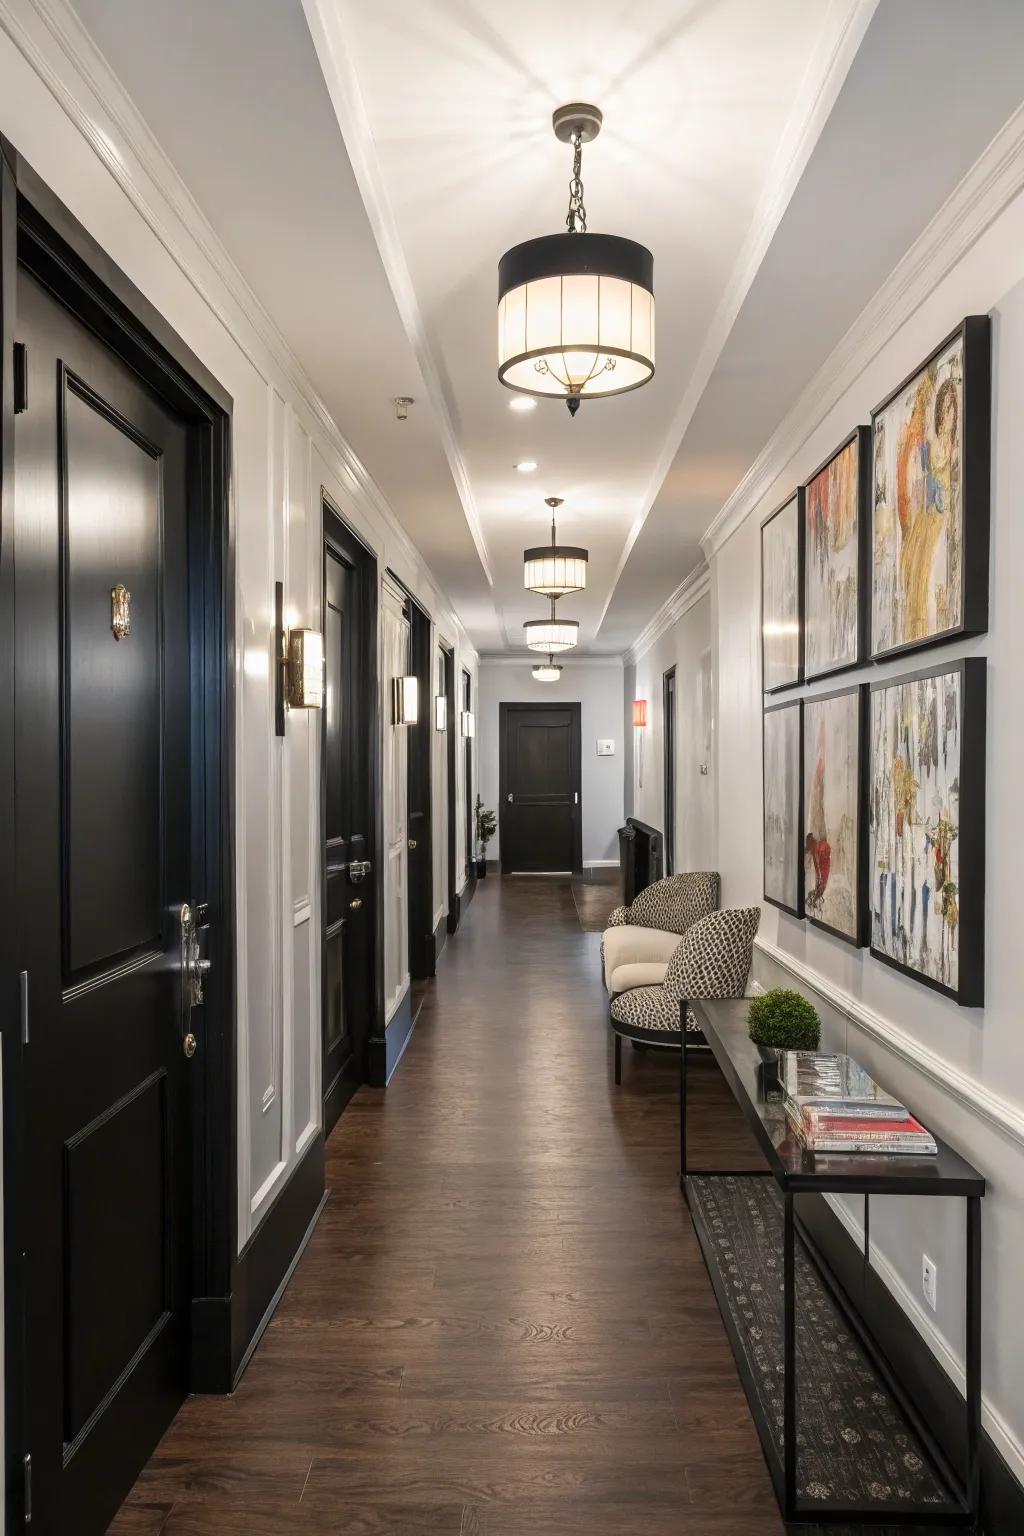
(929, 1279)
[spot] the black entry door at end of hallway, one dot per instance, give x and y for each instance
(539, 789)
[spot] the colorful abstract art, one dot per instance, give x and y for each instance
(833, 758)
(929, 499)
(926, 826)
(832, 596)
(782, 799)
(781, 579)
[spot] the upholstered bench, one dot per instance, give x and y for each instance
(640, 939)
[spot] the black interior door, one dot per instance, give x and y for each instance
(420, 835)
(539, 788)
(669, 702)
(349, 876)
(467, 705)
(102, 863)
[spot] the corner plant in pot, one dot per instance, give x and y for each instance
(781, 1020)
(486, 826)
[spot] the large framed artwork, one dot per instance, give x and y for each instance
(930, 455)
(782, 747)
(926, 812)
(782, 566)
(834, 827)
(835, 543)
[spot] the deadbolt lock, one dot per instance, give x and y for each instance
(356, 903)
(189, 1045)
(412, 843)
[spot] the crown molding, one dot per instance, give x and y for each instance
(136, 162)
(688, 593)
(326, 25)
(973, 1096)
(992, 182)
(841, 35)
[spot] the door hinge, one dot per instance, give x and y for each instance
(27, 1463)
(20, 377)
(23, 1005)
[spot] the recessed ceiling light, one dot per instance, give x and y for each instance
(526, 466)
(522, 403)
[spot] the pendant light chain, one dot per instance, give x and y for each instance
(576, 218)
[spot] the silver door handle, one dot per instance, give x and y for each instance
(193, 970)
(509, 799)
(576, 798)
(358, 869)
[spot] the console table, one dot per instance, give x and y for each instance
(841, 1438)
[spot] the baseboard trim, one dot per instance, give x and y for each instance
(440, 937)
(938, 1396)
(282, 1287)
(397, 1036)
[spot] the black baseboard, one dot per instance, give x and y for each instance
(913, 1364)
(266, 1260)
(210, 1362)
(467, 894)
(440, 939)
(454, 913)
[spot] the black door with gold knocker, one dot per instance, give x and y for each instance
(109, 938)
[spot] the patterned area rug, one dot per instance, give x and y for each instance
(854, 1443)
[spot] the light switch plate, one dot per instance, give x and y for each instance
(605, 747)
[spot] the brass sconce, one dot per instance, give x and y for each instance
(299, 654)
(405, 692)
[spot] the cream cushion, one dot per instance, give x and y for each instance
(636, 957)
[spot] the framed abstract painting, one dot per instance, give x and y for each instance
(834, 825)
(930, 456)
(782, 768)
(835, 544)
(782, 566)
(926, 809)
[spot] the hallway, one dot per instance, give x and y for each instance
(502, 1324)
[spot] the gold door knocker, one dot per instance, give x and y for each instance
(120, 611)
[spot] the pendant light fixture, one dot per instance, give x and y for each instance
(551, 634)
(552, 570)
(576, 311)
(546, 671)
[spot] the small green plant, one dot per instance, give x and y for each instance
(784, 1020)
(486, 826)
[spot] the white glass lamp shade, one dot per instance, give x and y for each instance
(546, 672)
(551, 635)
(553, 570)
(576, 316)
(440, 712)
(406, 696)
(305, 670)
(468, 723)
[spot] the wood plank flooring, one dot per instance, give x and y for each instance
(502, 1324)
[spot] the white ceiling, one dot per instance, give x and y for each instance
(367, 177)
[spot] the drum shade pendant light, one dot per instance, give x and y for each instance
(552, 634)
(546, 671)
(576, 311)
(552, 570)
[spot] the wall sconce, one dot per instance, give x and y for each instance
(440, 712)
(299, 654)
(468, 723)
(640, 723)
(640, 712)
(405, 693)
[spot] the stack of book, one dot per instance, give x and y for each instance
(833, 1105)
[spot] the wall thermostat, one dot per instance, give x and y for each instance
(605, 747)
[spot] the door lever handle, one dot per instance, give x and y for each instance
(509, 799)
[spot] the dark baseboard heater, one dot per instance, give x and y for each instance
(641, 857)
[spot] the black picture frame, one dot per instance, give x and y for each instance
(970, 989)
(975, 496)
(798, 830)
(859, 938)
(860, 435)
(794, 682)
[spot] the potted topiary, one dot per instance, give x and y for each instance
(781, 1020)
(486, 826)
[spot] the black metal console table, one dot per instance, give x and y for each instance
(833, 1376)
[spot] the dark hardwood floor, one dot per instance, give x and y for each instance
(502, 1325)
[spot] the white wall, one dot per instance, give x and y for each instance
(961, 1069)
(596, 684)
(67, 114)
(685, 645)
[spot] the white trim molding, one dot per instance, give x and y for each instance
(686, 596)
(531, 659)
(1007, 1118)
(992, 182)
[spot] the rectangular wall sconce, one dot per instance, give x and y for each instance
(406, 700)
(468, 723)
(440, 712)
(640, 712)
(299, 654)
